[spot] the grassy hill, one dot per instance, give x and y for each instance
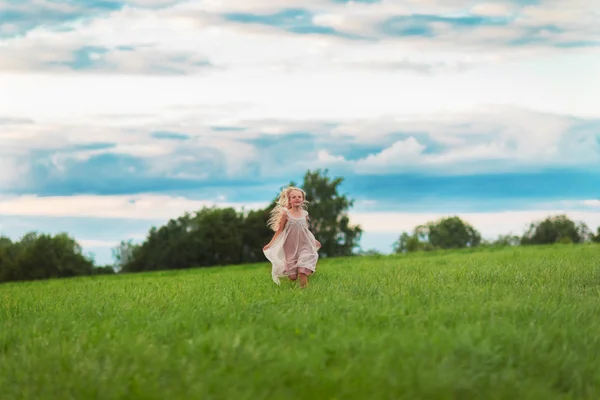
(511, 324)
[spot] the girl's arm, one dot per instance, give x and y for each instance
(282, 223)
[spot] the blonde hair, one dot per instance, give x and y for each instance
(281, 204)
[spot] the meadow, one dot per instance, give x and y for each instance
(516, 323)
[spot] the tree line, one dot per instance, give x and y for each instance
(42, 256)
(453, 233)
(223, 236)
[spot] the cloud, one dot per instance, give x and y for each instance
(298, 21)
(497, 10)
(141, 206)
(22, 16)
(490, 224)
(494, 140)
(423, 25)
(169, 135)
(129, 59)
(414, 37)
(591, 204)
(11, 171)
(73, 56)
(181, 151)
(405, 152)
(7, 121)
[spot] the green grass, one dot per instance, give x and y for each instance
(508, 324)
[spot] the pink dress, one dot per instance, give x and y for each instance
(295, 249)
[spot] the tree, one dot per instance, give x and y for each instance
(104, 270)
(42, 256)
(210, 236)
(7, 266)
(445, 233)
(410, 243)
(256, 234)
(555, 229)
(596, 238)
(450, 233)
(124, 254)
(504, 241)
(369, 253)
(214, 236)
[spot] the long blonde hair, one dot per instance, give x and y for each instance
(281, 204)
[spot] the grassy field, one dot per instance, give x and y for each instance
(509, 324)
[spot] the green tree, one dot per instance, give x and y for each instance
(504, 241)
(449, 233)
(556, 229)
(42, 256)
(256, 234)
(369, 253)
(210, 236)
(104, 270)
(445, 233)
(410, 243)
(596, 238)
(7, 267)
(214, 236)
(124, 254)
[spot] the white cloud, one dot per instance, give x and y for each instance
(275, 82)
(402, 152)
(256, 6)
(490, 224)
(141, 206)
(181, 30)
(515, 138)
(10, 171)
(152, 3)
(238, 155)
(494, 9)
(275, 71)
(492, 139)
(65, 141)
(323, 156)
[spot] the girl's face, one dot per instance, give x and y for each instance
(296, 198)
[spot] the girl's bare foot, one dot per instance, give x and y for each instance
(303, 281)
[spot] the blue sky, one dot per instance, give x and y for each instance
(117, 115)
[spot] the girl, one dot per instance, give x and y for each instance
(293, 249)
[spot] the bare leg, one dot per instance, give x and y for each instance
(303, 280)
(293, 277)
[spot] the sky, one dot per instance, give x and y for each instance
(117, 115)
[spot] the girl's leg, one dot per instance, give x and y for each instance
(290, 271)
(303, 280)
(304, 273)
